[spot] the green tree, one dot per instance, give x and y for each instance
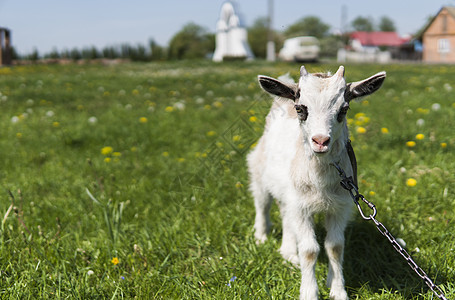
(329, 45)
(310, 25)
(34, 56)
(90, 53)
(193, 41)
(110, 52)
(75, 54)
(157, 52)
(258, 37)
(362, 24)
(386, 24)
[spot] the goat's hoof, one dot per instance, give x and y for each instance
(338, 294)
(260, 238)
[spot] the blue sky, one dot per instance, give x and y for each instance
(65, 24)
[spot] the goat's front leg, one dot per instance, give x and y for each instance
(308, 249)
(334, 245)
(288, 247)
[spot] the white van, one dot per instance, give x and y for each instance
(302, 48)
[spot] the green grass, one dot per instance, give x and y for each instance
(169, 199)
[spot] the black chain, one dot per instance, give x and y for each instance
(348, 184)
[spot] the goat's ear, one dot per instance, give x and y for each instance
(278, 88)
(364, 87)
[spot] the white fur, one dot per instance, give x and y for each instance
(286, 165)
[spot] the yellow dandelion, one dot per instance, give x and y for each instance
(207, 107)
(443, 145)
(420, 136)
(236, 138)
(238, 185)
(253, 119)
(361, 130)
(359, 115)
(254, 145)
(19, 135)
(384, 130)
(107, 159)
(217, 104)
(181, 159)
(411, 182)
(211, 133)
(117, 154)
(423, 110)
(143, 120)
(133, 149)
(135, 92)
(410, 144)
(165, 154)
(107, 150)
(372, 193)
(169, 109)
(56, 124)
(115, 260)
(204, 155)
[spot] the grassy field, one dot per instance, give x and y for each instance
(129, 181)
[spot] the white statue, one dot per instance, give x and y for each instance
(231, 37)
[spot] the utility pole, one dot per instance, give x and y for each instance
(270, 42)
(344, 19)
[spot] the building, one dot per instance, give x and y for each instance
(438, 37)
(374, 46)
(231, 36)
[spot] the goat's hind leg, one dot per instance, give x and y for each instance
(262, 203)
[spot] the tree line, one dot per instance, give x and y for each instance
(194, 41)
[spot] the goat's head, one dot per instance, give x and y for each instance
(321, 102)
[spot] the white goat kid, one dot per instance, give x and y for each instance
(291, 163)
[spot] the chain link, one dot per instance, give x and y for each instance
(348, 184)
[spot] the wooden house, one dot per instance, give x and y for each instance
(438, 37)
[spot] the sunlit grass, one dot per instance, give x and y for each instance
(130, 181)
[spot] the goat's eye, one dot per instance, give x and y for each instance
(342, 113)
(302, 112)
(297, 95)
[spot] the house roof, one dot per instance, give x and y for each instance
(450, 10)
(378, 38)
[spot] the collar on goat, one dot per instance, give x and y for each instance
(353, 160)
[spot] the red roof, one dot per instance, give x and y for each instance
(378, 38)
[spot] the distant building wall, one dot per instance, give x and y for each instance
(439, 39)
(381, 57)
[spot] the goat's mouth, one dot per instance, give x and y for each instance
(320, 149)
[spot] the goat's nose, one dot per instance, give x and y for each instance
(321, 140)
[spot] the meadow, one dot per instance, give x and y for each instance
(129, 181)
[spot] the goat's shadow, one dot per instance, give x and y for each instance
(370, 261)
